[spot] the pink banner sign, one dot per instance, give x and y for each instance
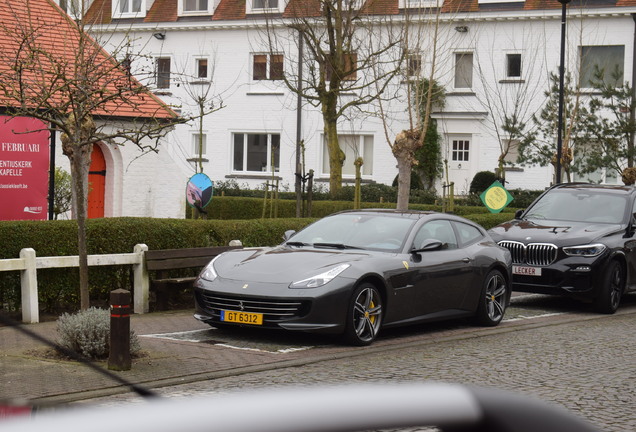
(24, 168)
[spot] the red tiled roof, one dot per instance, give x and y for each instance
(302, 8)
(57, 37)
(99, 13)
(230, 10)
(454, 6)
(162, 11)
(380, 7)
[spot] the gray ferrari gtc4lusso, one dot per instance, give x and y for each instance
(354, 272)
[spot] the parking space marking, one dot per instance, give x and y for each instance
(204, 336)
(527, 317)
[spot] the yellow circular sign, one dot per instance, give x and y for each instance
(496, 198)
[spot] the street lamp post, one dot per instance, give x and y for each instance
(561, 76)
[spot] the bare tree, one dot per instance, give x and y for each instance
(53, 71)
(423, 92)
(342, 70)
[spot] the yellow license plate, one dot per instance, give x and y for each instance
(242, 317)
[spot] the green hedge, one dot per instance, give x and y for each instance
(252, 208)
(58, 287)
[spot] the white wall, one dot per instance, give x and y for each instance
(268, 107)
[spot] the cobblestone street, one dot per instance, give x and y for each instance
(586, 366)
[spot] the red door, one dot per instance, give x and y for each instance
(96, 183)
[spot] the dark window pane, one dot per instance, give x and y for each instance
(514, 65)
(276, 151)
(606, 61)
(238, 152)
(276, 68)
(202, 71)
(260, 67)
(256, 152)
(163, 73)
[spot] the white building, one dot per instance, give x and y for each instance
(490, 53)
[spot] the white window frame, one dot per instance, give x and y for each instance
(583, 80)
(268, 66)
(156, 72)
(196, 69)
(74, 8)
(195, 145)
(116, 13)
(267, 168)
(499, 1)
(507, 65)
(181, 11)
(417, 56)
(365, 150)
(250, 9)
(472, 71)
(455, 152)
(420, 4)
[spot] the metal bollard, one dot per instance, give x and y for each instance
(119, 355)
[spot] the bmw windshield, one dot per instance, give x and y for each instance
(579, 206)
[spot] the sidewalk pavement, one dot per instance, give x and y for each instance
(177, 349)
(30, 373)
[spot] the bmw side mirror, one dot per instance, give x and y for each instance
(288, 234)
(518, 214)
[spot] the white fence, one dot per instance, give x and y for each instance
(29, 263)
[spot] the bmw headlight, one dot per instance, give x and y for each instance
(591, 250)
(320, 279)
(208, 273)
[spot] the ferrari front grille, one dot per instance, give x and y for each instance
(272, 309)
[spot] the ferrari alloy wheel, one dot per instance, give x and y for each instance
(364, 316)
(612, 289)
(494, 299)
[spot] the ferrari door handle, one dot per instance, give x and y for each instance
(466, 260)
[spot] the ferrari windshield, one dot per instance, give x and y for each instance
(355, 230)
(580, 206)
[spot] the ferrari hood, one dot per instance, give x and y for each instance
(280, 264)
(556, 232)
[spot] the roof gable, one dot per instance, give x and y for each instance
(49, 62)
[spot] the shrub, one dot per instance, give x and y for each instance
(482, 181)
(88, 333)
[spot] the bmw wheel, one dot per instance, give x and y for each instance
(612, 288)
(364, 316)
(493, 300)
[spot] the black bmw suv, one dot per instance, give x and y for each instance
(575, 239)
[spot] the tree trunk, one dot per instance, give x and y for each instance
(404, 183)
(80, 162)
(80, 159)
(336, 155)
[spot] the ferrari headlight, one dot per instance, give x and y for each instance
(320, 279)
(208, 273)
(591, 250)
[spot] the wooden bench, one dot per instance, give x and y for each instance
(163, 261)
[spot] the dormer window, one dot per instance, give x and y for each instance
(420, 4)
(262, 6)
(129, 8)
(195, 7)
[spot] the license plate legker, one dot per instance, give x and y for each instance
(526, 270)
